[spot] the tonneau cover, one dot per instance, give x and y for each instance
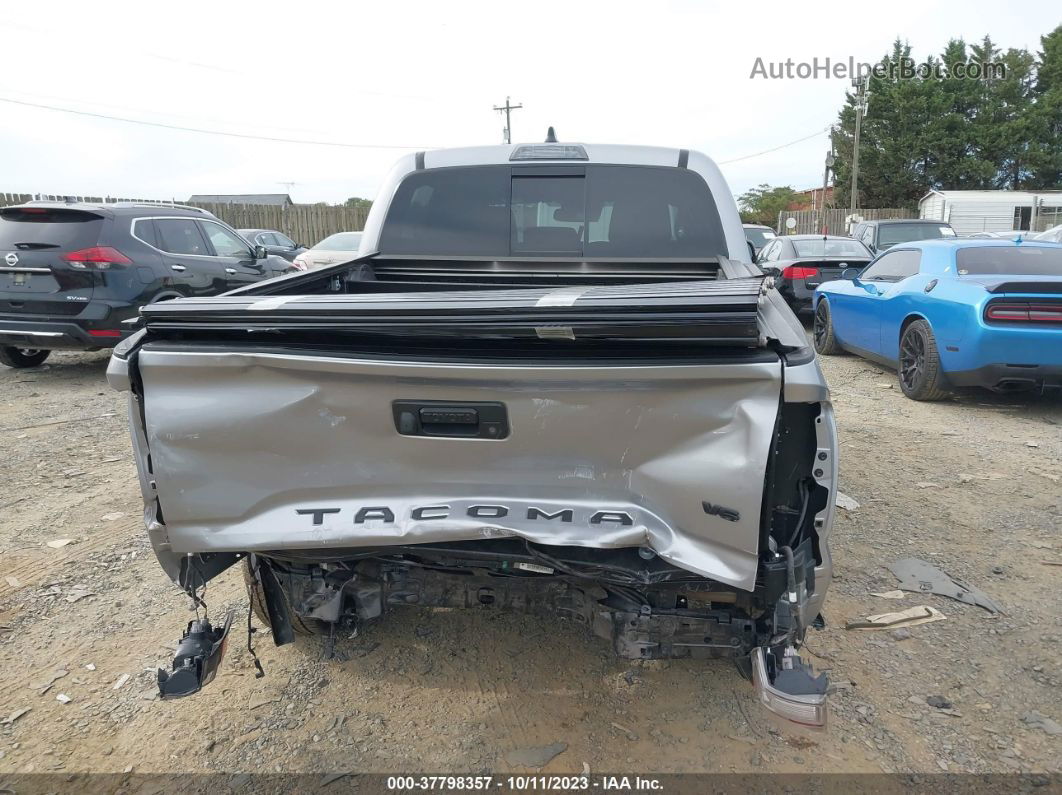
(723, 311)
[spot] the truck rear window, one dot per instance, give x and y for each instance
(1023, 260)
(27, 228)
(604, 211)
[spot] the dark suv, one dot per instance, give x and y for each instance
(70, 273)
(881, 235)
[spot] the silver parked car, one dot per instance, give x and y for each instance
(555, 384)
(275, 243)
(340, 247)
(758, 236)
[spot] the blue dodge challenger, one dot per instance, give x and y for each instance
(951, 313)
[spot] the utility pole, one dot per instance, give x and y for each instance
(860, 84)
(825, 184)
(508, 108)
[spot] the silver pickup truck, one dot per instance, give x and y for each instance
(551, 381)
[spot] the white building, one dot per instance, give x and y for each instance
(970, 211)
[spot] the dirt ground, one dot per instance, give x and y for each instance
(973, 485)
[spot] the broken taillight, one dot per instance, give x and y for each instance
(805, 708)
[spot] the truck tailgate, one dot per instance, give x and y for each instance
(595, 416)
(266, 451)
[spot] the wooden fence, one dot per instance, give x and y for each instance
(303, 223)
(807, 221)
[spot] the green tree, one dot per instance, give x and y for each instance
(893, 153)
(355, 201)
(1006, 131)
(1045, 120)
(952, 143)
(761, 205)
(941, 130)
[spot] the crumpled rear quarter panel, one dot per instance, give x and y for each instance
(240, 441)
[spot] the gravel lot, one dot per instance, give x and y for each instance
(973, 485)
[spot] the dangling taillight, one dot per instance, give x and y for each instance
(98, 258)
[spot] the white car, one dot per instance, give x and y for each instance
(1054, 235)
(340, 247)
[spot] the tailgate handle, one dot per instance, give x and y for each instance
(454, 420)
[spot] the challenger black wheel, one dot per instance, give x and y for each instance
(919, 371)
(256, 595)
(22, 357)
(822, 331)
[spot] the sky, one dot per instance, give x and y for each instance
(386, 78)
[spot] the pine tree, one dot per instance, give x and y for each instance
(1010, 109)
(1044, 123)
(893, 155)
(941, 129)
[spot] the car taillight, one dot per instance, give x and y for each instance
(799, 272)
(299, 263)
(96, 258)
(809, 709)
(104, 333)
(1021, 312)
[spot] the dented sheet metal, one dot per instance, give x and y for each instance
(266, 451)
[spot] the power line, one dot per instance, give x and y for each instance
(50, 34)
(776, 148)
(507, 108)
(205, 131)
(196, 119)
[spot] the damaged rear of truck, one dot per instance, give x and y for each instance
(551, 382)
